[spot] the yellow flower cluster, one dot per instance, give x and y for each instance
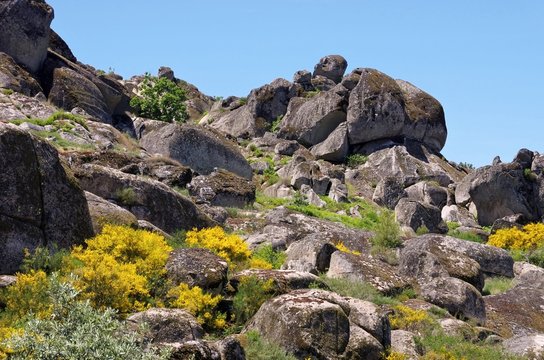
(6, 333)
(531, 236)
(119, 265)
(199, 304)
(29, 294)
(231, 247)
(343, 248)
(407, 318)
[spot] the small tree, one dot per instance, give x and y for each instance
(160, 99)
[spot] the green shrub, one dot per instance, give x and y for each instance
(387, 231)
(271, 256)
(7, 92)
(74, 330)
(43, 258)
(497, 285)
(257, 348)
(160, 99)
(126, 196)
(357, 289)
(463, 235)
(275, 126)
(355, 160)
(251, 293)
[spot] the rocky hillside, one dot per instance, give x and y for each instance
(312, 219)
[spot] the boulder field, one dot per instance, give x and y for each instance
(330, 153)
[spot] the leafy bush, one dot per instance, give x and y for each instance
(74, 330)
(43, 258)
(28, 295)
(231, 247)
(252, 292)
(354, 160)
(198, 303)
(126, 196)
(160, 99)
(120, 266)
(267, 254)
(387, 231)
(257, 348)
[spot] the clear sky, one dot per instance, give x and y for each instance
(482, 59)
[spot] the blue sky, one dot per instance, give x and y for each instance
(483, 60)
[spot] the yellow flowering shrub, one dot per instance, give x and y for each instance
(257, 263)
(531, 236)
(119, 267)
(199, 304)
(343, 248)
(395, 355)
(5, 334)
(29, 294)
(231, 247)
(406, 318)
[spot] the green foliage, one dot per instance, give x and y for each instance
(251, 293)
(74, 330)
(311, 94)
(269, 255)
(466, 166)
(177, 239)
(160, 99)
(268, 202)
(44, 258)
(463, 235)
(299, 200)
(257, 348)
(7, 92)
(55, 138)
(126, 196)
(387, 231)
(530, 175)
(242, 100)
(275, 126)
(422, 230)
(357, 289)
(354, 160)
(53, 120)
(497, 285)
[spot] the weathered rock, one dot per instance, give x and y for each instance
(338, 191)
(163, 169)
(104, 212)
(455, 213)
(458, 297)
(332, 67)
(492, 260)
(531, 346)
(429, 193)
(270, 101)
(25, 31)
(147, 199)
(403, 342)
(197, 267)
(229, 190)
(287, 148)
(529, 275)
(524, 318)
(238, 123)
(498, 191)
(414, 257)
(416, 215)
(316, 323)
(15, 78)
(376, 108)
(321, 83)
(335, 148)
(409, 163)
(17, 106)
(147, 226)
(279, 190)
(42, 203)
(388, 192)
(524, 158)
(167, 325)
(304, 79)
(311, 196)
(301, 172)
(311, 254)
(71, 89)
(425, 117)
(200, 149)
(58, 45)
(365, 268)
(283, 281)
(7, 280)
(311, 121)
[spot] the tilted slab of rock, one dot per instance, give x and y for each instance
(201, 149)
(323, 325)
(104, 212)
(147, 199)
(238, 123)
(498, 191)
(25, 31)
(519, 311)
(335, 147)
(42, 203)
(416, 215)
(365, 268)
(15, 78)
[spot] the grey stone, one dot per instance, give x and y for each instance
(415, 215)
(335, 148)
(332, 67)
